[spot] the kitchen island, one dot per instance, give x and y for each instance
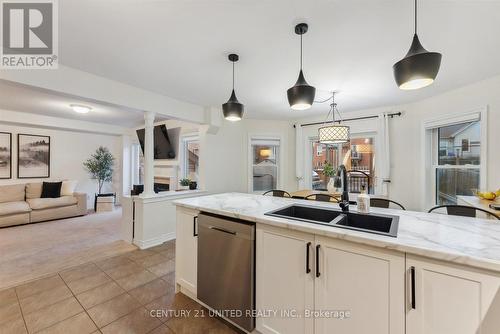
(441, 274)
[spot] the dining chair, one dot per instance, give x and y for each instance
(277, 193)
(463, 210)
(384, 203)
(322, 198)
(356, 179)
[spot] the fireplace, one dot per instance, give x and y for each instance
(162, 183)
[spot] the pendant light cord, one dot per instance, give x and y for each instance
(301, 52)
(415, 17)
(331, 110)
(233, 75)
(333, 107)
(323, 101)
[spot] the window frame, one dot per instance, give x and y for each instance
(309, 151)
(185, 139)
(430, 151)
(250, 164)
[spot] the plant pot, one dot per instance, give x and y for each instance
(104, 202)
(331, 185)
(183, 187)
(193, 185)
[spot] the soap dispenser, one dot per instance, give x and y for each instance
(363, 201)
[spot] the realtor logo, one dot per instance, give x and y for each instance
(29, 34)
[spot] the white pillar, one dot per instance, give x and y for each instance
(149, 118)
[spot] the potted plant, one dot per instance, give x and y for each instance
(100, 167)
(330, 173)
(184, 184)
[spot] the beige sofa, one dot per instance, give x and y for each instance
(21, 204)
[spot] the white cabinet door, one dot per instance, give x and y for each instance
(186, 249)
(366, 282)
(283, 282)
(449, 299)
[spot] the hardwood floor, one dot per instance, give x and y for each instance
(36, 250)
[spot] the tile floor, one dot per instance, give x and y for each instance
(114, 295)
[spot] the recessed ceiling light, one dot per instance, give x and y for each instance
(81, 109)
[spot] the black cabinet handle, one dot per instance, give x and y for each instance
(308, 268)
(195, 219)
(317, 261)
(412, 282)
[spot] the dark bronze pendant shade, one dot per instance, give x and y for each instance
(233, 109)
(301, 95)
(419, 67)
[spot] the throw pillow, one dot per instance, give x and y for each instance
(68, 187)
(51, 190)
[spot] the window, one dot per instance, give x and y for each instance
(357, 155)
(458, 161)
(137, 162)
(191, 158)
(265, 159)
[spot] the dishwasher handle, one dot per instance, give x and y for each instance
(220, 229)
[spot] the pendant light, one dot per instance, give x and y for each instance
(301, 95)
(335, 133)
(233, 109)
(419, 67)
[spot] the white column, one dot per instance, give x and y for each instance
(149, 118)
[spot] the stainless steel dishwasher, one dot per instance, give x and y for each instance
(226, 267)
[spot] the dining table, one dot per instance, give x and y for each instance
(478, 203)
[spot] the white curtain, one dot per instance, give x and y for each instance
(299, 155)
(384, 156)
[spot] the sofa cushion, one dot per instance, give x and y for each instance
(12, 193)
(34, 190)
(51, 190)
(47, 203)
(68, 187)
(12, 208)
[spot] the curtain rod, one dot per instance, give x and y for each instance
(391, 115)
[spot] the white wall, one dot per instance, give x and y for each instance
(75, 82)
(68, 150)
(406, 134)
(224, 155)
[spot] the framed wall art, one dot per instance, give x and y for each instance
(33, 156)
(5, 155)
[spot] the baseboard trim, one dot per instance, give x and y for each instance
(145, 244)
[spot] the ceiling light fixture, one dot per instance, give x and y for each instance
(301, 95)
(233, 109)
(335, 133)
(419, 67)
(81, 109)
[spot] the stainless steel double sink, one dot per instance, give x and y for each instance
(371, 223)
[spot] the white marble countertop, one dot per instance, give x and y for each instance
(170, 195)
(468, 241)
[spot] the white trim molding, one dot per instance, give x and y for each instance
(428, 151)
(263, 137)
(144, 244)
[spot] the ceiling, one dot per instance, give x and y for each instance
(22, 98)
(179, 47)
